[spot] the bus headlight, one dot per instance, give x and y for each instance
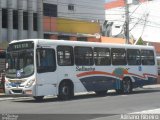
(8, 85)
(30, 83)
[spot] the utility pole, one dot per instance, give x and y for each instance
(126, 30)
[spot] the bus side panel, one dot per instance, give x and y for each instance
(46, 84)
(99, 83)
(148, 76)
(69, 73)
(100, 79)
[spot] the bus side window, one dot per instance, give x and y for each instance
(133, 57)
(83, 55)
(118, 56)
(147, 57)
(65, 56)
(102, 56)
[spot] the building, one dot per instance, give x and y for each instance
(144, 20)
(53, 19)
(20, 19)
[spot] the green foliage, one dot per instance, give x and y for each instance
(140, 41)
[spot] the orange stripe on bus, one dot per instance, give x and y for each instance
(111, 74)
(93, 73)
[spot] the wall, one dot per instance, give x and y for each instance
(77, 26)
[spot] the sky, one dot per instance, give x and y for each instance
(144, 20)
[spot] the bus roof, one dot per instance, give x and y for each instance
(82, 43)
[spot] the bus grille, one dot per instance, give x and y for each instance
(17, 91)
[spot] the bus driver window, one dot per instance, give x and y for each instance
(46, 60)
(43, 59)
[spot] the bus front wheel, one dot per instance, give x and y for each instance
(65, 91)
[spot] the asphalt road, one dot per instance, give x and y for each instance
(83, 107)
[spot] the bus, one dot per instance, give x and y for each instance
(41, 67)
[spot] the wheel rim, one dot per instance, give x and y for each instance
(65, 90)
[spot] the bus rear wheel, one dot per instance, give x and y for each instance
(65, 91)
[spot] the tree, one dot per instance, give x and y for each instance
(140, 41)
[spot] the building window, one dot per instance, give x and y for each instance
(25, 20)
(15, 19)
(50, 10)
(46, 36)
(81, 39)
(71, 7)
(35, 21)
(4, 18)
(63, 37)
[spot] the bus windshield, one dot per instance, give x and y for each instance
(20, 63)
(20, 59)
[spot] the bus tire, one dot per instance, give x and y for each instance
(127, 85)
(38, 98)
(65, 90)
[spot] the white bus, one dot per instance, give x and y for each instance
(61, 68)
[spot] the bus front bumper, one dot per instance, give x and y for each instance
(19, 91)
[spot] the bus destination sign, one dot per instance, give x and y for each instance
(21, 46)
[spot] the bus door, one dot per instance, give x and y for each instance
(46, 76)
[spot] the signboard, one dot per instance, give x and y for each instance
(21, 46)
